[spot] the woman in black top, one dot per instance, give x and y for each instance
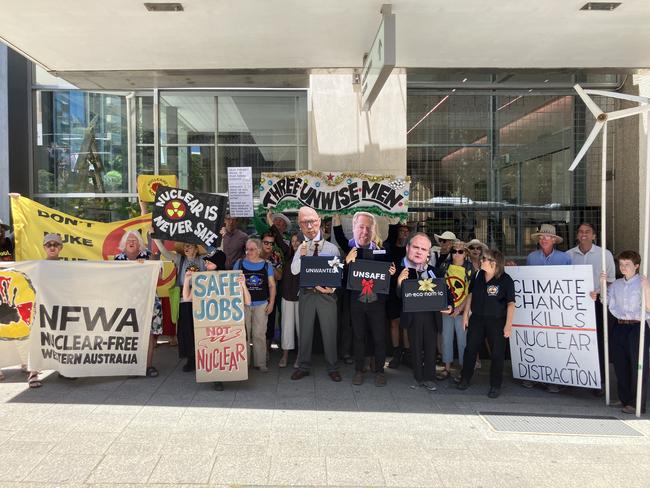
(491, 301)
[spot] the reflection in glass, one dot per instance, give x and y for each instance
(187, 118)
(193, 165)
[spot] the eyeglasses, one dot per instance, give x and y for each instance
(485, 258)
(474, 248)
(457, 251)
(309, 223)
(268, 243)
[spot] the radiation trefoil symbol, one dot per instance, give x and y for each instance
(175, 209)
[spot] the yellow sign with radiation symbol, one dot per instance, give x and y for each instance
(148, 185)
(16, 305)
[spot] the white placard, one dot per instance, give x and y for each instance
(240, 191)
(553, 336)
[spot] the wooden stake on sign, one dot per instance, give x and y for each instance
(601, 123)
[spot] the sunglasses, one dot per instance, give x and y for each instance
(269, 243)
(457, 251)
(474, 248)
(443, 241)
(52, 244)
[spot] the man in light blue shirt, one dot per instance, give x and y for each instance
(547, 254)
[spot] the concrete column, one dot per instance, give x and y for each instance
(4, 135)
(342, 137)
(642, 80)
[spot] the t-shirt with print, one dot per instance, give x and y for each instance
(257, 287)
(457, 279)
(491, 299)
(6, 250)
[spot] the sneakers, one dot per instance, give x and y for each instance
(264, 369)
(380, 379)
(430, 385)
(396, 360)
(416, 385)
(357, 379)
(629, 409)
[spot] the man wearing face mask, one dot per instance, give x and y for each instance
(320, 300)
(367, 310)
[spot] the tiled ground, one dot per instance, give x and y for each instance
(271, 431)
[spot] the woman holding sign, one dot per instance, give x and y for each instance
(261, 286)
(488, 314)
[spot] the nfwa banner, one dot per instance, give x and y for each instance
(91, 318)
(219, 328)
(553, 336)
(83, 240)
(335, 192)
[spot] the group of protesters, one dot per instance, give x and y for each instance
(356, 327)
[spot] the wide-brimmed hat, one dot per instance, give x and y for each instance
(282, 217)
(446, 236)
(52, 238)
(547, 230)
(476, 242)
(3, 225)
(178, 247)
(217, 257)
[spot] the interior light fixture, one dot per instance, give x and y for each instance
(464, 80)
(164, 7)
(606, 6)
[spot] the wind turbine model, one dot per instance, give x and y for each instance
(602, 118)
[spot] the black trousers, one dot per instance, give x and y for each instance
(270, 324)
(600, 337)
(481, 328)
(344, 324)
(185, 331)
(423, 337)
(625, 345)
(369, 318)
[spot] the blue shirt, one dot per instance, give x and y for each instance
(255, 267)
(537, 258)
(624, 298)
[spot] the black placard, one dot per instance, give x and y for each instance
(185, 216)
(416, 300)
(317, 271)
(369, 276)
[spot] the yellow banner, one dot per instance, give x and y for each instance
(148, 185)
(83, 240)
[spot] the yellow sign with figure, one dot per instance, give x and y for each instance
(148, 185)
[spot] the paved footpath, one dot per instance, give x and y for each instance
(271, 431)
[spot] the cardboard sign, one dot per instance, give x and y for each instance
(553, 336)
(240, 192)
(335, 192)
(428, 295)
(219, 328)
(184, 216)
(369, 277)
(148, 185)
(321, 271)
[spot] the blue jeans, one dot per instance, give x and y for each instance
(449, 324)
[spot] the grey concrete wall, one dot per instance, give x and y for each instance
(4, 135)
(342, 137)
(642, 81)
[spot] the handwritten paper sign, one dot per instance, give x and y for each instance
(240, 192)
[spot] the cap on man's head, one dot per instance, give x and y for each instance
(52, 238)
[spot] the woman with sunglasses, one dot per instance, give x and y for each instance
(488, 314)
(475, 250)
(457, 270)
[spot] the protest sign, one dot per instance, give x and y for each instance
(426, 295)
(369, 277)
(184, 216)
(148, 185)
(17, 297)
(83, 240)
(335, 192)
(240, 192)
(219, 328)
(320, 271)
(553, 336)
(91, 318)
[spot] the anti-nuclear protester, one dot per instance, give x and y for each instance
(321, 271)
(184, 216)
(335, 192)
(424, 295)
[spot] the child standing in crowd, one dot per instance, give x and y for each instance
(421, 326)
(488, 313)
(624, 303)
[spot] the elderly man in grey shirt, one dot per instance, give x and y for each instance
(320, 300)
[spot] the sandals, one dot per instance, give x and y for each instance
(33, 380)
(443, 375)
(152, 372)
(282, 363)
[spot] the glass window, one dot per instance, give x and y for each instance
(187, 118)
(193, 165)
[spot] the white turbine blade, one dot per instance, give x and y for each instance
(622, 96)
(626, 112)
(591, 105)
(592, 135)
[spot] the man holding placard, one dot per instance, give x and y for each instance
(419, 321)
(368, 286)
(317, 300)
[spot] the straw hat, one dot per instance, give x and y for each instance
(547, 230)
(476, 242)
(446, 236)
(282, 217)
